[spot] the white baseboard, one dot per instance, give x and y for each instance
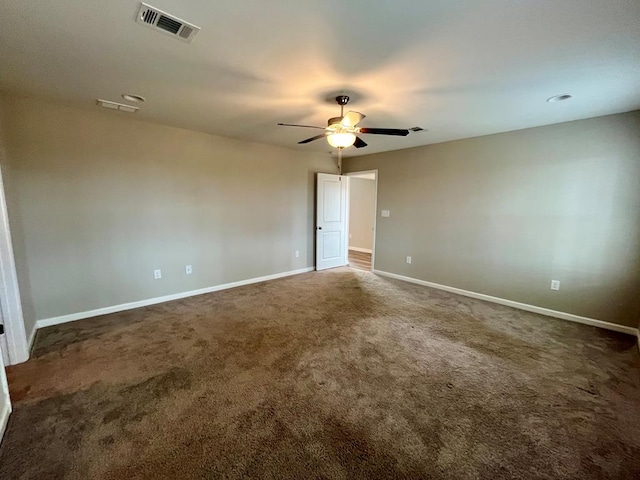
(363, 250)
(522, 306)
(47, 322)
(5, 411)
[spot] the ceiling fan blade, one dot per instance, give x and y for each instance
(351, 119)
(304, 126)
(313, 138)
(385, 131)
(359, 143)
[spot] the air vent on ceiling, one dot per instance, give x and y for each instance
(163, 22)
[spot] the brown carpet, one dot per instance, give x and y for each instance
(337, 374)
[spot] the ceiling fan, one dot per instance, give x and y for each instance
(342, 131)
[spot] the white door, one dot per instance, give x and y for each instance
(331, 221)
(5, 404)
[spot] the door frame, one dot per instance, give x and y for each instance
(10, 303)
(5, 404)
(375, 211)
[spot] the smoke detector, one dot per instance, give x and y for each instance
(166, 23)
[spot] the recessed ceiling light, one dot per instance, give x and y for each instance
(134, 98)
(559, 98)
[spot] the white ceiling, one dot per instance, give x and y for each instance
(460, 68)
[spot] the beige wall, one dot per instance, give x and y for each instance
(361, 212)
(505, 214)
(98, 200)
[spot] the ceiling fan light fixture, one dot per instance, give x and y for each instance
(341, 140)
(341, 131)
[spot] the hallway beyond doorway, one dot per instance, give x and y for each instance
(360, 260)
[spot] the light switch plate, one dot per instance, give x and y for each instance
(386, 213)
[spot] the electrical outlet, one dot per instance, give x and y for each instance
(555, 284)
(408, 259)
(297, 253)
(157, 274)
(188, 269)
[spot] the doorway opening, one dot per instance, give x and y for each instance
(363, 190)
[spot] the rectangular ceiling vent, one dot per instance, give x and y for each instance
(165, 23)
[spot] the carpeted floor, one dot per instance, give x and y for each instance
(338, 374)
